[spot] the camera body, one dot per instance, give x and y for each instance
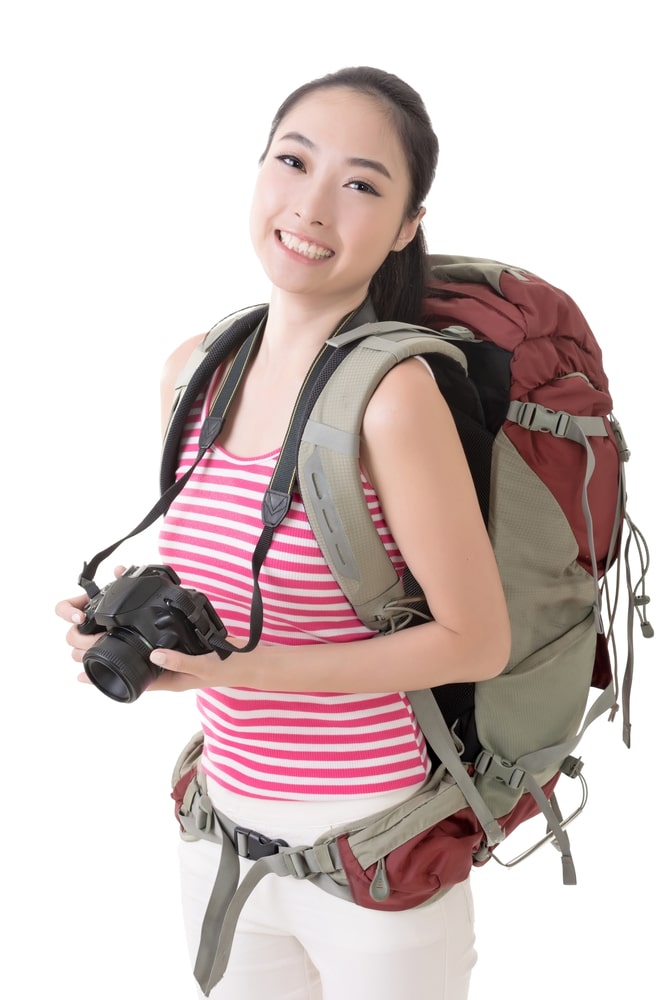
(142, 610)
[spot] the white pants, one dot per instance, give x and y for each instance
(294, 941)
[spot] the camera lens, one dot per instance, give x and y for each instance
(118, 665)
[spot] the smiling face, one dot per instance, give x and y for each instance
(330, 198)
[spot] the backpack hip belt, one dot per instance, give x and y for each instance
(382, 861)
(201, 820)
(331, 863)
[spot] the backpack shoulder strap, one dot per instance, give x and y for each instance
(221, 340)
(328, 468)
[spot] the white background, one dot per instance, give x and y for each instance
(130, 135)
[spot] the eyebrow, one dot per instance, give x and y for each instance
(353, 161)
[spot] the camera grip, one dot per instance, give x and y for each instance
(90, 627)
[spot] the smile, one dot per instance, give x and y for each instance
(310, 250)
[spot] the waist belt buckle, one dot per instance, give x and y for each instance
(253, 845)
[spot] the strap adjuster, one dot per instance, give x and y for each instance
(534, 417)
(203, 814)
(253, 845)
(500, 769)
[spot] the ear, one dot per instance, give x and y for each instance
(408, 231)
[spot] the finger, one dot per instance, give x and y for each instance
(71, 609)
(79, 640)
(181, 663)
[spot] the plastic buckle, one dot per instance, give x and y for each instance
(499, 769)
(624, 451)
(203, 814)
(562, 423)
(534, 417)
(572, 767)
(253, 845)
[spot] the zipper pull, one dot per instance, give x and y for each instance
(380, 888)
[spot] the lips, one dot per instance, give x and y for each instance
(312, 251)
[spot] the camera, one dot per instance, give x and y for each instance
(142, 610)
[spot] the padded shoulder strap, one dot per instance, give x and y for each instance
(225, 337)
(328, 469)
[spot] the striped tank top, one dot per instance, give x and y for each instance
(273, 744)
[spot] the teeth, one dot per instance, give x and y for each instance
(311, 250)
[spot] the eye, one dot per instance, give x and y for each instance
(291, 161)
(364, 187)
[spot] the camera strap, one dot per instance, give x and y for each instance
(210, 430)
(278, 497)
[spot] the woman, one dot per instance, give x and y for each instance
(304, 733)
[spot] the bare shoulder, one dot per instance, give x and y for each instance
(176, 360)
(409, 431)
(406, 397)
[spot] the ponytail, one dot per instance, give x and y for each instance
(397, 287)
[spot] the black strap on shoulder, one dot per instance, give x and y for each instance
(222, 347)
(237, 333)
(278, 496)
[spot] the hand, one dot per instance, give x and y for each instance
(71, 610)
(181, 672)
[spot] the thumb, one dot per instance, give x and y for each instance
(167, 659)
(183, 663)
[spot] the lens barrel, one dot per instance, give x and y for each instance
(119, 666)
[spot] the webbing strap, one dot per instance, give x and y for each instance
(549, 757)
(218, 934)
(522, 774)
(535, 417)
(224, 888)
(228, 897)
(637, 601)
(440, 739)
(555, 824)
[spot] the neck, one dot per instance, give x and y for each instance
(298, 324)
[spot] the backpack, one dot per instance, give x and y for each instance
(523, 375)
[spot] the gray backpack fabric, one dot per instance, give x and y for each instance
(523, 376)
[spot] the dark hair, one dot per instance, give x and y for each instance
(397, 287)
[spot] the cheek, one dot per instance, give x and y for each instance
(376, 241)
(258, 215)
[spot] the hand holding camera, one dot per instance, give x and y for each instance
(142, 610)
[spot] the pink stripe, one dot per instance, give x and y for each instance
(323, 756)
(263, 701)
(304, 789)
(369, 770)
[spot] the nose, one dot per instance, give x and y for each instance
(304, 217)
(313, 205)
